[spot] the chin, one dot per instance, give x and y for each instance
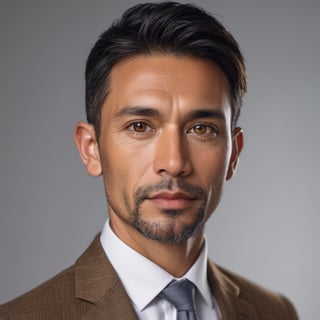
(171, 229)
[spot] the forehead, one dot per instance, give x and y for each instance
(168, 78)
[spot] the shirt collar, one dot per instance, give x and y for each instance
(136, 271)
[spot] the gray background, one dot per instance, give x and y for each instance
(267, 225)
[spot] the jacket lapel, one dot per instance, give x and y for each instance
(97, 283)
(227, 294)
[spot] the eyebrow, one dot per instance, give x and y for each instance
(206, 113)
(137, 111)
(147, 111)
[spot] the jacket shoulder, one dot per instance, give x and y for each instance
(268, 304)
(54, 299)
(3, 314)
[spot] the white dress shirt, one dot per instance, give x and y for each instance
(144, 280)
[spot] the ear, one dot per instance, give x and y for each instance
(87, 144)
(237, 145)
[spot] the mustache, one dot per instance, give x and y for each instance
(143, 192)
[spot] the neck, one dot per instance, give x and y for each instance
(175, 258)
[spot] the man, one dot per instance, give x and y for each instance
(164, 87)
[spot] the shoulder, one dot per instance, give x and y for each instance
(71, 293)
(45, 301)
(3, 314)
(266, 302)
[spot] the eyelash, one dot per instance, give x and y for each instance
(149, 129)
(208, 126)
(143, 122)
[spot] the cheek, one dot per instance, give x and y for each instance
(124, 165)
(212, 166)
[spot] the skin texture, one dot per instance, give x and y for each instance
(165, 150)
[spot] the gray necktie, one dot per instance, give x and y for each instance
(181, 294)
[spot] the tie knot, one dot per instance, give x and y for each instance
(181, 294)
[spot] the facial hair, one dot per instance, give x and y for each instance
(166, 233)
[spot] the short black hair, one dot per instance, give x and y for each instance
(166, 28)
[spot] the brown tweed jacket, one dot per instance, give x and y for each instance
(91, 290)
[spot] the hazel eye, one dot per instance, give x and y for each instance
(139, 126)
(201, 129)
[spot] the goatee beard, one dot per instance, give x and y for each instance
(165, 232)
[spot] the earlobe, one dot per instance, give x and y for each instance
(237, 145)
(87, 144)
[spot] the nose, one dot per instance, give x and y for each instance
(172, 155)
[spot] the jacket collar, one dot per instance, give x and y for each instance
(227, 294)
(97, 283)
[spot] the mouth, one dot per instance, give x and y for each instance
(172, 200)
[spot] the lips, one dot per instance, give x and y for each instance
(172, 200)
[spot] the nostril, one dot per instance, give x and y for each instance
(171, 173)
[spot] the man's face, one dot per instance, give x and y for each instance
(165, 144)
